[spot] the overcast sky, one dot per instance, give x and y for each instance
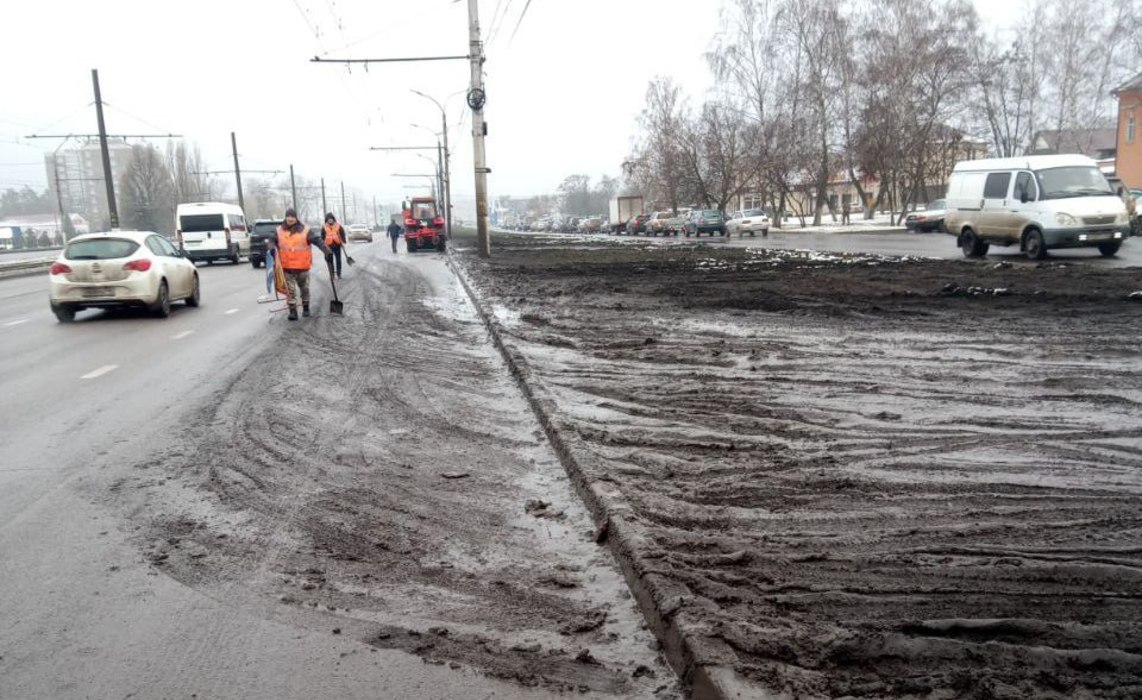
(563, 92)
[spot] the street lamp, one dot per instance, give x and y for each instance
(447, 153)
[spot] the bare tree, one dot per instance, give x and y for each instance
(188, 174)
(146, 192)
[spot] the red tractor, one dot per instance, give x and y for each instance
(423, 225)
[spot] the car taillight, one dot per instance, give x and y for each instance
(60, 269)
(140, 265)
(227, 238)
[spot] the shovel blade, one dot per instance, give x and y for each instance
(337, 308)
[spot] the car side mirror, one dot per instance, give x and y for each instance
(1024, 196)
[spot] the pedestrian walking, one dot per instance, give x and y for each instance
(292, 247)
(394, 233)
(335, 239)
(845, 214)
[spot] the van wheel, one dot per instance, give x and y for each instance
(972, 246)
(1109, 250)
(234, 256)
(1034, 245)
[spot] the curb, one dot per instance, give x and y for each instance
(703, 664)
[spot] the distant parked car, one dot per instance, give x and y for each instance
(121, 269)
(927, 220)
(637, 224)
(749, 221)
(701, 221)
(359, 232)
(659, 224)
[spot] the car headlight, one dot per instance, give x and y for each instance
(1122, 218)
(1066, 220)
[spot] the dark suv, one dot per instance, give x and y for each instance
(263, 230)
(701, 221)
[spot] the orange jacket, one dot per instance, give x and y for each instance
(334, 235)
(293, 247)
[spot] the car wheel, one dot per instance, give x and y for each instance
(1034, 245)
(193, 300)
(234, 256)
(162, 305)
(210, 261)
(1109, 250)
(64, 314)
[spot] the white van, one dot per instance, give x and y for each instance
(212, 231)
(1035, 202)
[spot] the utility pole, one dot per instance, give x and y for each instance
(108, 177)
(292, 187)
(355, 212)
(59, 198)
(237, 170)
(376, 217)
(447, 176)
(324, 206)
(476, 101)
(442, 203)
(342, 199)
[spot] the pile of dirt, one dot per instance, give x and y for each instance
(374, 478)
(856, 476)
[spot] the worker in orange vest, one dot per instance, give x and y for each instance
(335, 239)
(292, 245)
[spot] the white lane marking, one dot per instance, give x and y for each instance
(232, 311)
(182, 335)
(15, 323)
(95, 374)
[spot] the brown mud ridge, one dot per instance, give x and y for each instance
(373, 478)
(855, 476)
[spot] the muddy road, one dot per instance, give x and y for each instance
(854, 476)
(362, 507)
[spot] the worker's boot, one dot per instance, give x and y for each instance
(293, 313)
(304, 310)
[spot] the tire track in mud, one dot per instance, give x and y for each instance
(314, 489)
(856, 504)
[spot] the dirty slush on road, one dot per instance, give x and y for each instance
(379, 475)
(854, 476)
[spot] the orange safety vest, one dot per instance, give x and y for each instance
(332, 235)
(293, 248)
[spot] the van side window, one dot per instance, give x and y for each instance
(996, 186)
(237, 223)
(1025, 183)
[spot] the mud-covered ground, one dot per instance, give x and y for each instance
(861, 477)
(379, 476)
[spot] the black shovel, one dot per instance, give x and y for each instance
(335, 306)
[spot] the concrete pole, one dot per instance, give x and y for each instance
(293, 189)
(447, 175)
(479, 129)
(324, 205)
(237, 171)
(108, 176)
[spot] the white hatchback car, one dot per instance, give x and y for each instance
(121, 269)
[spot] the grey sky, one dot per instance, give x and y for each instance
(563, 93)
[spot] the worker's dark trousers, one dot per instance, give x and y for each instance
(336, 248)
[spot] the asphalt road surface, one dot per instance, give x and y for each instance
(161, 538)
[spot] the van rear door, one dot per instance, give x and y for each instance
(203, 232)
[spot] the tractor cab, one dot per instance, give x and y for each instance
(423, 225)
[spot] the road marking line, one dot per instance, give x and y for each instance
(95, 374)
(182, 335)
(15, 323)
(232, 311)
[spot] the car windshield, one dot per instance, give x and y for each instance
(754, 212)
(1075, 181)
(711, 213)
(938, 204)
(266, 227)
(100, 249)
(197, 223)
